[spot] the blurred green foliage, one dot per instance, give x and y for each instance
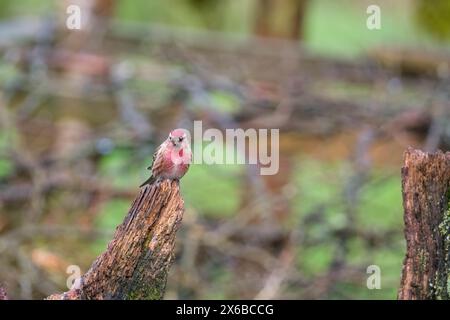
(7, 71)
(6, 165)
(9, 137)
(336, 28)
(380, 204)
(109, 217)
(190, 13)
(11, 8)
(320, 186)
(315, 260)
(224, 102)
(121, 167)
(213, 190)
(434, 17)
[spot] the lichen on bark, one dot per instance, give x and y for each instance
(441, 284)
(425, 186)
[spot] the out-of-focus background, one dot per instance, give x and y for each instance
(81, 112)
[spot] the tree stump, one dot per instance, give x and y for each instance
(425, 188)
(138, 258)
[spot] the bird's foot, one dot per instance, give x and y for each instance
(158, 181)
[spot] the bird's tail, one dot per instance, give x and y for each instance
(148, 181)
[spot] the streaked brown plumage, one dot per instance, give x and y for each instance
(172, 158)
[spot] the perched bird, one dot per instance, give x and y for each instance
(172, 158)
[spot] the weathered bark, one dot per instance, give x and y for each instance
(137, 260)
(426, 183)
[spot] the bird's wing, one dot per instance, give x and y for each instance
(155, 154)
(158, 165)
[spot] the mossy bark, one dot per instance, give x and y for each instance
(426, 184)
(137, 260)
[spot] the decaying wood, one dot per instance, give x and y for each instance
(426, 184)
(137, 260)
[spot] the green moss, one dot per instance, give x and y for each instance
(444, 230)
(153, 290)
(441, 283)
(444, 227)
(147, 293)
(423, 259)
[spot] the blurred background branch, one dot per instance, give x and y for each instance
(82, 111)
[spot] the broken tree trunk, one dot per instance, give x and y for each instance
(137, 260)
(426, 184)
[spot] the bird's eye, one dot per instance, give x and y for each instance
(180, 139)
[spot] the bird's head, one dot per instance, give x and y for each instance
(178, 137)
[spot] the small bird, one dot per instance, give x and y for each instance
(172, 158)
